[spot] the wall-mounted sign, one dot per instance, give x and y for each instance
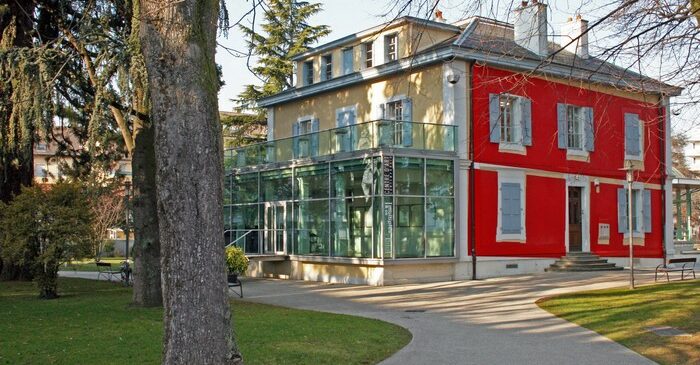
(388, 178)
(388, 227)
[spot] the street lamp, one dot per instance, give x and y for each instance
(629, 170)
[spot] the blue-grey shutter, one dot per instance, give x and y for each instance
(295, 141)
(511, 208)
(314, 137)
(622, 210)
(407, 126)
(588, 129)
(562, 126)
(347, 61)
(494, 117)
(632, 146)
(526, 109)
(646, 210)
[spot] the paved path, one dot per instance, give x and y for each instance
(492, 321)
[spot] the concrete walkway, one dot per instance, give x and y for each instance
(492, 321)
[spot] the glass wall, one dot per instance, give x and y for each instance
(373, 207)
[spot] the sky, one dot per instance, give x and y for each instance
(346, 17)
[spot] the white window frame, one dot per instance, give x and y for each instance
(325, 65)
(368, 46)
(306, 118)
(581, 132)
(639, 211)
(517, 177)
(516, 145)
(307, 69)
(640, 130)
(387, 44)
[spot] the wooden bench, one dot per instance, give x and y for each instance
(688, 266)
(105, 269)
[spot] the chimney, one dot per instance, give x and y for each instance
(576, 27)
(438, 16)
(531, 27)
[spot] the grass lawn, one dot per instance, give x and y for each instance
(623, 315)
(92, 323)
(89, 264)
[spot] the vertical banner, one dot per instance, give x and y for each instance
(388, 189)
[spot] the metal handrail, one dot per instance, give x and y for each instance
(243, 236)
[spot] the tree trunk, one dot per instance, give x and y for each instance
(178, 40)
(147, 283)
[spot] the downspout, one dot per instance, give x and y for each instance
(662, 145)
(472, 190)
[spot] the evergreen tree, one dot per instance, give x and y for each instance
(285, 33)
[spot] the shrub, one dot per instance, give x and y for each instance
(236, 261)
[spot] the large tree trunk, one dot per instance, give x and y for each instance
(147, 283)
(178, 40)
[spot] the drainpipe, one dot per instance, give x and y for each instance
(662, 147)
(472, 190)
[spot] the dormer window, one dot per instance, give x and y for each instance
(326, 67)
(308, 72)
(391, 43)
(367, 50)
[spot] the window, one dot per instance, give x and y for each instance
(641, 211)
(40, 170)
(633, 137)
(511, 207)
(510, 121)
(308, 70)
(391, 45)
(306, 142)
(327, 67)
(574, 122)
(367, 49)
(40, 146)
(347, 61)
(399, 132)
(575, 129)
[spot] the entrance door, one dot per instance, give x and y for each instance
(575, 231)
(275, 227)
(361, 230)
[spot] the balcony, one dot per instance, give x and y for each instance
(375, 134)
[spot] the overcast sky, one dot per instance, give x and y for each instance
(346, 17)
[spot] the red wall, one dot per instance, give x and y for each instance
(546, 197)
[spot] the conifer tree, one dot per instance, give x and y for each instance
(285, 33)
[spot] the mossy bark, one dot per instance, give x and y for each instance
(178, 41)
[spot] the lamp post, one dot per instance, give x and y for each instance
(127, 217)
(629, 170)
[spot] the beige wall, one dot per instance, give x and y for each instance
(412, 38)
(424, 86)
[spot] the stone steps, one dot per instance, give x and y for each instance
(582, 261)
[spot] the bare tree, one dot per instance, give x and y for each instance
(178, 41)
(107, 210)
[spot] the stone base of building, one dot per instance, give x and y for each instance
(379, 273)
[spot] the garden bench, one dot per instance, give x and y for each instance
(688, 266)
(105, 269)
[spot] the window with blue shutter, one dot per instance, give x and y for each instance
(347, 61)
(345, 120)
(313, 149)
(494, 118)
(511, 208)
(646, 210)
(633, 146)
(622, 222)
(510, 120)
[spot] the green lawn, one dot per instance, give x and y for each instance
(92, 323)
(89, 264)
(623, 315)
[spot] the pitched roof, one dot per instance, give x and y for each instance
(495, 39)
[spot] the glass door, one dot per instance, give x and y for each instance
(275, 228)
